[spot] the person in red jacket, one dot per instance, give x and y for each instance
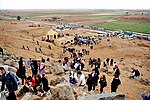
(30, 85)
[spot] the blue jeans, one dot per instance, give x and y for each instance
(11, 95)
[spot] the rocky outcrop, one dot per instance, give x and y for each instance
(47, 97)
(106, 96)
(79, 91)
(8, 59)
(57, 80)
(5, 57)
(62, 91)
(49, 69)
(58, 70)
(9, 62)
(29, 96)
(1, 60)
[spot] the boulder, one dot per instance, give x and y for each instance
(36, 97)
(106, 96)
(7, 54)
(49, 70)
(80, 91)
(62, 91)
(9, 62)
(5, 57)
(29, 96)
(1, 63)
(1, 60)
(47, 97)
(13, 57)
(16, 65)
(57, 80)
(58, 70)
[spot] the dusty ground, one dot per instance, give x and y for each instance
(139, 18)
(135, 53)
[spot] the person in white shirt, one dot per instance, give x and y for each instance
(73, 78)
(81, 80)
(65, 66)
(77, 66)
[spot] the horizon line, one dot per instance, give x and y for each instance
(77, 9)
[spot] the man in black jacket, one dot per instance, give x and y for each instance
(115, 83)
(46, 88)
(116, 71)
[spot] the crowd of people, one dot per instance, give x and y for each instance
(75, 64)
(80, 40)
(77, 77)
(94, 77)
(37, 49)
(34, 83)
(37, 81)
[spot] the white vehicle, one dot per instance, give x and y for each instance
(149, 38)
(120, 36)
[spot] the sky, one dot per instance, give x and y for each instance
(74, 4)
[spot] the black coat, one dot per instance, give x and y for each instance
(45, 84)
(95, 78)
(116, 82)
(20, 64)
(89, 81)
(21, 72)
(117, 72)
(103, 83)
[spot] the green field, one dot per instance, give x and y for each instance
(141, 27)
(103, 17)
